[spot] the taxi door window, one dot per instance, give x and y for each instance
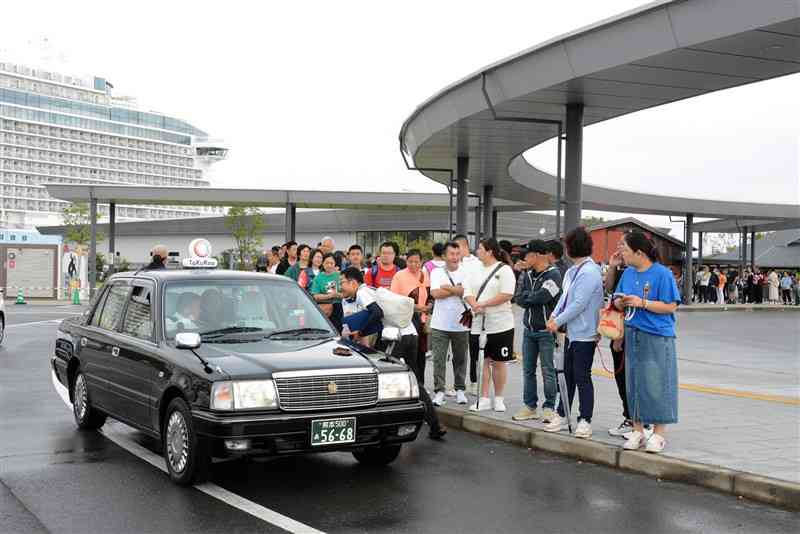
(138, 316)
(95, 321)
(113, 306)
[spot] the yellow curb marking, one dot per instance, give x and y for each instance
(722, 391)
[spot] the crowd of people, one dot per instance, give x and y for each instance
(463, 309)
(716, 285)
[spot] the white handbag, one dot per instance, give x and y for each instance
(397, 309)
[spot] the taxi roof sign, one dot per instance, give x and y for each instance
(199, 255)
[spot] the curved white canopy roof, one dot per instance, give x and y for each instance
(663, 52)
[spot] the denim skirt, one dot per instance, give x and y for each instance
(651, 376)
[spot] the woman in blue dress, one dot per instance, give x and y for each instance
(648, 294)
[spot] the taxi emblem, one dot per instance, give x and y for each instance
(332, 388)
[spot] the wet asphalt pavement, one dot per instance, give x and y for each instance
(54, 478)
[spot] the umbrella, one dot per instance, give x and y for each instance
(482, 346)
(558, 357)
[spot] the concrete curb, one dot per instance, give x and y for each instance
(780, 493)
(692, 309)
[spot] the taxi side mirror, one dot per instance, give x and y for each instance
(187, 340)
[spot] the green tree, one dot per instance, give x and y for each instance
(246, 224)
(75, 218)
(591, 221)
(425, 246)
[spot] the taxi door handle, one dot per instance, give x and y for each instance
(115, 351)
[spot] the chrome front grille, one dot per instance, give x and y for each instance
(306, 390)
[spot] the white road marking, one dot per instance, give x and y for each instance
(231, 499)
(48, 321)
(15, 312)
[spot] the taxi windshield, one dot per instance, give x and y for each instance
(222, 309)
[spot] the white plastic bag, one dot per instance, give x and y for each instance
(397, 309)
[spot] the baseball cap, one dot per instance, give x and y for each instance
(536, 246)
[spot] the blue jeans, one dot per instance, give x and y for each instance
(534, 344)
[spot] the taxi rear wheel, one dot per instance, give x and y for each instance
(2, 329)
(383, 455)
(188, 456)
(86, 417)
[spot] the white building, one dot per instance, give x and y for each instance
(64, 129)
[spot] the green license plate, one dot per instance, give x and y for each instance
(333, 431)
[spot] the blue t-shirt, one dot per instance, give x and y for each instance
(662, 287)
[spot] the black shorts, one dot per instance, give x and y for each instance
(499, 346)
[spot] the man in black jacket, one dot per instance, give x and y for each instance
(538, 291)
(158, 255)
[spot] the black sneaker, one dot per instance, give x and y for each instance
(437, 435)
(625, 427)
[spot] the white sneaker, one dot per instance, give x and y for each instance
(472, 388)
(623, 430)
(557, 424)
(648, 431)
(635, 441)
(450, 392)
(655, 444)
(547, 415)
(499, 405)
(484, 404)
(461, 398)
(438, 399)
(584, 430)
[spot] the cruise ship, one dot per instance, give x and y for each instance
(56, 128)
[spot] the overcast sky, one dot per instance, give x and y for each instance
(313, 94)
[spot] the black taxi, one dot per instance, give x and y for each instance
(221, 363)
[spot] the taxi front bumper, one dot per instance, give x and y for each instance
(284, 433)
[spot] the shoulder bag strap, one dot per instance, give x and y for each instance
(453, 284)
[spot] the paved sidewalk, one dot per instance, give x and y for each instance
(739, 402)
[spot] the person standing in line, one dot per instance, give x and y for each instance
(413, 282)
(705, 278)
(786, 288)
(383, 271)
(326, 289)
(557, 257)
(538, 290)
(447, 332)
(488, 290)
(289, 259)
(437, 260)
(355, 257)
(774, 285)
(469, 263)
(158, 255)
(723, 280)
(307, 275)
(327, 245)
(650, 298)
(578, 309)
(612, 278)
(302, 263)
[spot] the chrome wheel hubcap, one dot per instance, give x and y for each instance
(81, 397)
(177, 442)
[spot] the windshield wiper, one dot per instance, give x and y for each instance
(291, 332)
(211, 334)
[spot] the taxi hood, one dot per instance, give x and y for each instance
(261, 359)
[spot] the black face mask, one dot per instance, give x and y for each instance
(157, 259)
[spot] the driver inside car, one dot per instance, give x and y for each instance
(211, 310)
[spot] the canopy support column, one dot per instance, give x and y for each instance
(112, 234)
(573, 167)
(752, 250)
(494, 224)
(688, 277)
(488, 211)
(478, 213)
(290, 224)
(700, 251)
(462, 195)
(92, 267)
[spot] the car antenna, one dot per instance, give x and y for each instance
(206, 366)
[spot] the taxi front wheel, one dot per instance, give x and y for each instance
(383, 455)
(188, 456)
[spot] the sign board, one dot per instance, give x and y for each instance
(199, 255)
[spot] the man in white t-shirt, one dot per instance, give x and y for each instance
(446, 330)
(493, 315)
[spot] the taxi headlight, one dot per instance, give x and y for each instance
(393, 386)
(243, 395)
